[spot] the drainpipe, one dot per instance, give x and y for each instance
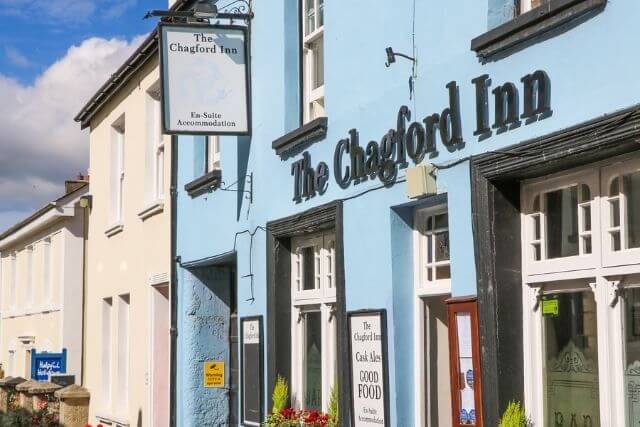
(85, 205)
(174, 285)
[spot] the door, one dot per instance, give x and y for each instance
(161, 312)
(436, 362)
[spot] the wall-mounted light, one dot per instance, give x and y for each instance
(391, 56)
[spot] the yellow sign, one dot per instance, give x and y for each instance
(550, 307)
(213, 374)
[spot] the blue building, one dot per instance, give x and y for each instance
(480, 198)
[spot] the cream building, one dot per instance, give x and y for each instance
(128, 265)
(42, 284)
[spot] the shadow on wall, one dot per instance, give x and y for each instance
(244, 148)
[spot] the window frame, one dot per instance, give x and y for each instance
(311, 96)
(322, 300)
(212, 154)
(424, 287)
(539, 188)
(118, 135)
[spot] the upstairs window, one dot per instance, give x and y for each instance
(13, 279)
(117, 170)
(523, 6)
(155, 146)
(46, 270)
(29, 290)
(212, 153)
(312, 59)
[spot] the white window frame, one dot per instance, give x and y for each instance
(320, 299)
(312, 98)
(118, 130)
(212, 153)
(29, 285)
(157, 143)
(107, 349)
(605, 272)
(123, 350)
(423, 289)
(47, 276)
(13, 281)
(537, 189)
(527, 5)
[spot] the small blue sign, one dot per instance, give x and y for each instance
(44, 364)
(464, 417)
(469, 377)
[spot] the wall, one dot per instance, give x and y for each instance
(129, 261)
(591, 72)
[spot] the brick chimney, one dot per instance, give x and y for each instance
(73, 184)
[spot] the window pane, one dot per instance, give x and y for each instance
(320, 13)
(536, 204)
(443, 272)
(442, 221)
(614, 188)
(430, 248)
(615, 241)
(313, 361)
(571, 359)
(536, 227)
(586, 218)
(587, 244)
(442, 246)
(311, 17)
(615, 213)
(632, 355)
(308, 268)
(585, 193)
(537, 255)
(318, 62)
(465, 367)
(631, 189)
(562, 222)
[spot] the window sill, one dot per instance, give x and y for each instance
(151, 210)
(531, 24)
(112, 421)
(114, 229)
(313, 131)
(204, 183)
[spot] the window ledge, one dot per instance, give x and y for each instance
(204, 183)
(151, 210)
(531, 24)
(114, 229)
(113, 421)
(306, 134)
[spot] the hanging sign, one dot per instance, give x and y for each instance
(44, 364)
(369, 370)
(213, 374)
(205, 79)
(252, 370)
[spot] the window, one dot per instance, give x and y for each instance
(29, 287)
(155, 146)
(434, 251)
(624, 212)
(13, 280)
(117, 170)
(527, 5)
(212, 153)
(46, 270)
(314, 334)
(123, 352)
(313, 59)
(107, 308)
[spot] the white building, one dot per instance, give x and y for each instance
(41, 277)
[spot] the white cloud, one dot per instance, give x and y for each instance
(40, 144)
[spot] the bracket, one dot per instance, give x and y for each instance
(248, 193)
(539, 292)
(206, 10)
(391, 57)
(616, 292)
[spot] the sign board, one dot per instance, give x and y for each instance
(550, 307)
(213, 374)
(44, 364)
(251, 355)
(369, 368)
(205, 79)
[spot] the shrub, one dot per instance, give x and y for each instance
(514, 416)
(280, 395)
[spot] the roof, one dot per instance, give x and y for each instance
(40, 212)
(146, 51)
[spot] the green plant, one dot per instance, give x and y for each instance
(514, 416)
(280, 395)
(334, 409)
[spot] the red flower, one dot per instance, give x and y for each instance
(288, 413)
(312, 417)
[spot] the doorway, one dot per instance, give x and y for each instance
(436, 362)
(160, 345)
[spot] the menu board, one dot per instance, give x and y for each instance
(252, 370)
(369, 369)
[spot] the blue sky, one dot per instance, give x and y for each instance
(36, 33)
(54, 55)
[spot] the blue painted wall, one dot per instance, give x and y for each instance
(593, 68)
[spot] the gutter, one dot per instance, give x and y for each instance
(173, 377)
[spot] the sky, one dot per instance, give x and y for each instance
(54, 55)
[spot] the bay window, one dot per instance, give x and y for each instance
(581, 278)
(312, 59)
(313, 331)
